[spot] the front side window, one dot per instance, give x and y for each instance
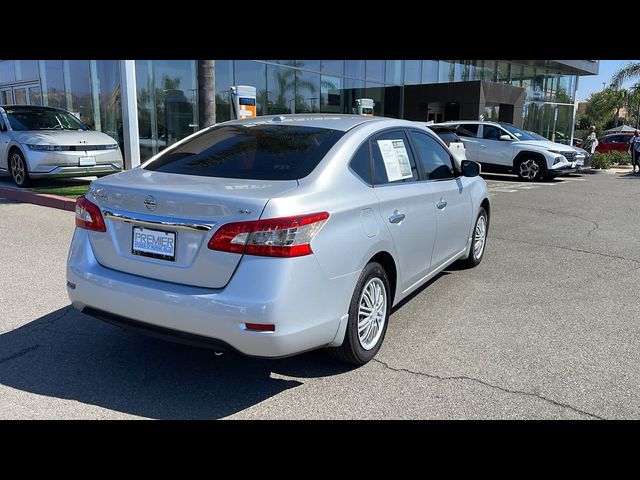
(435, 160)
(24, 119)
(392, 158)
(489, 132)
(253, 151)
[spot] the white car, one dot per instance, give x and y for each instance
(501, 147)
(448, 136)
(38, 142)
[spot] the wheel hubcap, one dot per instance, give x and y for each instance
(372, 313)
(529, 169)
(17, 169)
(480, 237)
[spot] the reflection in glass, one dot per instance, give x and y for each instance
(255, 75)
(281, 83)
(412, 72)
(108, 76)
(446, 71)
(307, 92)
(308, 65)
(35, 96)
(393, 73)
(80, 86)
(20, 96)
(354, 68)
(331, 94)
(224, 80)
(376, 92)
(489, 71)
(54, 84)
(375, 71)
(7, 71)
(353, 89)
(332, 67)
(27, 70)
(430, 71)
(516, 75)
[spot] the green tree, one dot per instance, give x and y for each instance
(630, 71)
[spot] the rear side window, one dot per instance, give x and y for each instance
(448, 137)
(435, 160)
(468, 130)
(392, 158)
(256, 152)
(361, 163)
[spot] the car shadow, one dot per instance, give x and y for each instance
(515, 179)
(72, 356)
(629, 175)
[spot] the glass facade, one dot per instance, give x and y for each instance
(167, 90)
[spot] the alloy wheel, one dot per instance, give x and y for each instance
(480, 237)
(372, 312)
(17, 169)
(529, 169)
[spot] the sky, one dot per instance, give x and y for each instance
(593, 83)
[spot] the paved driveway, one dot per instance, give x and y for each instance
(548, 326)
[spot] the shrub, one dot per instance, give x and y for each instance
(621, 158)
(600, 160)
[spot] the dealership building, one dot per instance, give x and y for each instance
(147, 105)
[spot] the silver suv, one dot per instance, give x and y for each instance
(501, 147)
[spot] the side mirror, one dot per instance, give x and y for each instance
(505, 138)
(470, 169)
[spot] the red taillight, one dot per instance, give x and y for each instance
(88, 216)
(273, 237)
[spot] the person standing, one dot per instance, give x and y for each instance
(591, 141)
(634, 150)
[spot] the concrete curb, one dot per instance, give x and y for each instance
(44, 199)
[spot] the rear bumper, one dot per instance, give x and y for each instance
(290, 293)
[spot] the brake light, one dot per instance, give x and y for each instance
(273, 237)
(88, 216)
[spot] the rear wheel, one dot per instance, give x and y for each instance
(18, 169)
(530, 169)
(368, 317)
(478, 241)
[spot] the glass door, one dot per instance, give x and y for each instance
(27, 94)
(6, 97)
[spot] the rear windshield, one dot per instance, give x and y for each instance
(257, 152)
(447, 136)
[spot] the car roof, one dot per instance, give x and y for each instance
(476, 122)
(30, 107)
(341, 122)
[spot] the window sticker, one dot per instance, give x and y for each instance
(396, 159)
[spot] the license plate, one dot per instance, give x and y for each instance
(154, 243)
(573, 165)
(87, 161)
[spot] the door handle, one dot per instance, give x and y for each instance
(483, 146)
(397, 217)
(441, 204)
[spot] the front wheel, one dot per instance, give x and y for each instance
(368, 317)
(18, 169)
(478, 240)
(530, 169)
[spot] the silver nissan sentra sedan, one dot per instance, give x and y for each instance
(277, 235)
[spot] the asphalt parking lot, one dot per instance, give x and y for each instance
(547, 327)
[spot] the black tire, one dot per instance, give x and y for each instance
(473, 260)
(530, 169)
(18, 168)
(352, 349)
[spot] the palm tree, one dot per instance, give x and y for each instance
(629, 72)
(206, 93)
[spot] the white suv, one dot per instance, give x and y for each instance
(501, 147)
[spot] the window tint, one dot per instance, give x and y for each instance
(260, 152)
(361, 163)
(435, 160)
(447, 136)
(468, 130)
(489, 132)
(392, 158)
